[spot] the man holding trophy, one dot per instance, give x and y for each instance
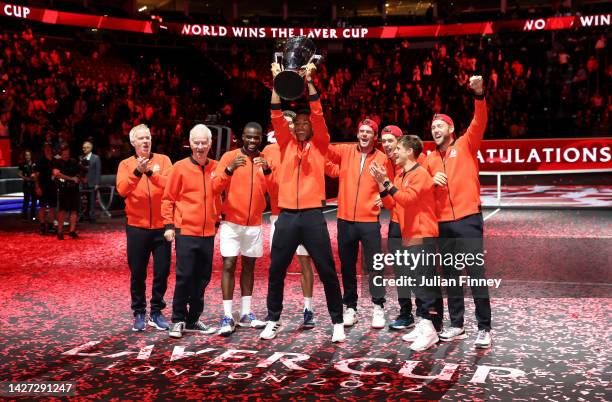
(302, 195)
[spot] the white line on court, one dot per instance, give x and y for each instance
(492, 213)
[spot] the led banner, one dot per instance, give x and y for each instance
(543, 154)
(389, 32)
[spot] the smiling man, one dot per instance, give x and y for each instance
(141, 180)
(240, 232)
(301, 198)
(358, 218)
(454, 168)
(190, 215)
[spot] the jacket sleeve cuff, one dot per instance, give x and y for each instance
(479, 97)
(384, 193)
(393, 190)
(267, 171)
(137, 173)
(228, 171)
(169, 226)
(149, 173)
(275, 106)
(313, 98)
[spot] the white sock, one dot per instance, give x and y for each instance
(227, 308)
(308, 303)
(246, 305)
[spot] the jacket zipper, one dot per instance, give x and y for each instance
(251, 197)
(297, 198)
(357, 192)
(205, 212)
(448, 186)
(150, 205)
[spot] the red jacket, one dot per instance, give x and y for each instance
(413, 193)
(461, 195)
(143, 192)
(301, 173)
(245, 192)
(272, 155)
(358, 190)
(190, 197)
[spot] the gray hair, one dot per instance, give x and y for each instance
(136, 129)
(200, 129)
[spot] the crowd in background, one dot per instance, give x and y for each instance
(546, 84)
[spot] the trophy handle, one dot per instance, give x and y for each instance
(315, 58)
(278, 57)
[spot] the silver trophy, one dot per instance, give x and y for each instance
(298, 52)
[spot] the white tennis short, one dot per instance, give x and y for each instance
(240, 240)
(301, 250)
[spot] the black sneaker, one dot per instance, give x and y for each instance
(60, 236)
(73, 235)
(402, 323)
(199, 327)
(309, 321)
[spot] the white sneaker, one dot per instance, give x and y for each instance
(350, 317)
(453, 333)
(483, 339)
(176, 329)
(378, 317)
(414, 334)
(338, 335)
(227, 327)
(427, 336)
(271, 330)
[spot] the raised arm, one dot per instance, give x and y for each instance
(475, 132)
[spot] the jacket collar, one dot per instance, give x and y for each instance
(196, 162)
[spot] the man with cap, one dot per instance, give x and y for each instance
(454, 168)
(358, 218)
(272, 154)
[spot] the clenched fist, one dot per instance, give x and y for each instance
(476, 85)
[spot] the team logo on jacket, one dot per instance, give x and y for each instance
(212, 174)
(155, 168)
(453, 153)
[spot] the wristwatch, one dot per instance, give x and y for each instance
(387, 184)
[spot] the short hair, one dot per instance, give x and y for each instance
(289, 113)
(254, 125)
(200, 128)
(88, 142)
(135, 130)
(412, 142)
(304, 111)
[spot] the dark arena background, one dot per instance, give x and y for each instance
(76, 71)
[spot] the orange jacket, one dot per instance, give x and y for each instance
(272, 155)
(302, 163)
(413, 193)
(245, 193)
(190, 197)
(461, 195)
(143, 192)
(358, 190)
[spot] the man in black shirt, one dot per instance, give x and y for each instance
(28, 176)
(45, 188)
(66, 172)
